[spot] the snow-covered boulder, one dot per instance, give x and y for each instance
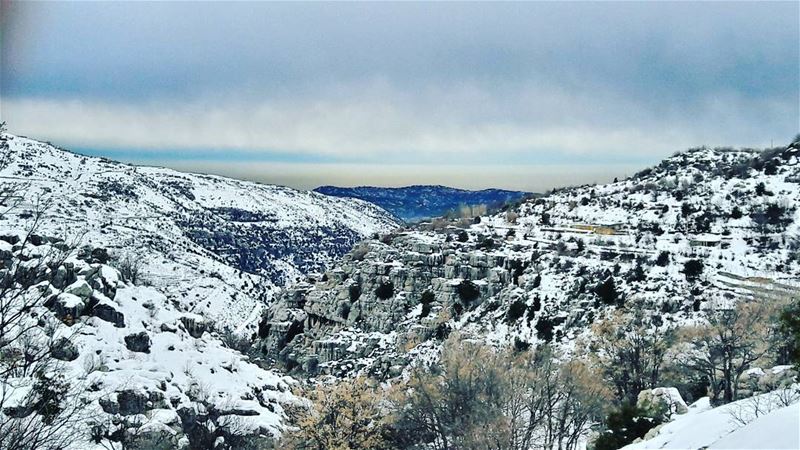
(662, 402)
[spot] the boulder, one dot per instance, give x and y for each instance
(107, 312)
(99, 255)
(152, 436)
(132, 402)
(68, 307)
(138, 342)
(80, 289)
(109, 404)
(661, 402)
(194, 325)
(10, 238)
(63, 277)
(63, 349)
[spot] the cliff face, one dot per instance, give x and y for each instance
(701, 230)
(364, 312)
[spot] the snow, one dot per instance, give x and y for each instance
(160, 218)
(718, 428)
(780, 429)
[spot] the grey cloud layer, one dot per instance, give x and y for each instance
(425, 81)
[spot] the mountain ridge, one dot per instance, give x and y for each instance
(419, 201)
(696, 231)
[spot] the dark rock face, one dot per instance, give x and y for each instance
(63, 349)
(108, 313)
(255, 248)
(138, 342)
(132, 402)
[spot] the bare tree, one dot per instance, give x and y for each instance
(38, 408)
(481, 398)
(729, 343)
(630, 347)
(347, 415)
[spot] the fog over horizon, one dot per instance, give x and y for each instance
(525, 96)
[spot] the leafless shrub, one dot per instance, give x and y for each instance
(131, 268)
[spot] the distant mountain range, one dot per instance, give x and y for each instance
(414, 203)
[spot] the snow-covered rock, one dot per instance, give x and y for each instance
(161, 375)
(214, 245)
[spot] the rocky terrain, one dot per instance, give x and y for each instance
(159, 293)
(137, 290)
(153, 376)
(700, 230)
(215, 246)
(414, 203)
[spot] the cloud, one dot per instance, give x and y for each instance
(377, 121)
(401, 83)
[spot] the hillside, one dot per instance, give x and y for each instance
(127, 367)
(214, 246)
(414, 203)
(698, 231)
(132, 293)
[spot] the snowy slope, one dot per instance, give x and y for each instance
(214, 246)
(140, 364)
(542, 268)
(776, 427)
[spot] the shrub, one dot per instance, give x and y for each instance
(463, 236)
(736, 213)
(520, 345)
(385, 290)
(130, 268)
(487, 244)
(426, 300)
(663, 259)
(468, 292)
(442, 331)
(344, 310)
(344, 415)
(607, 291)
(544, 329)
(516, 311)
(624, 425)
(692, 269)
(790, 331)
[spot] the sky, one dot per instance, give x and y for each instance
(514, 95)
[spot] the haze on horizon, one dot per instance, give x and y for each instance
(512, 95)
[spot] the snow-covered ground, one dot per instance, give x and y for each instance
(762, 422)
(216, 246)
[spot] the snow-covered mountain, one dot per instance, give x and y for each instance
(143, 285)
(134, 370)
(214, 246)
(701, 229)
(413, 203)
